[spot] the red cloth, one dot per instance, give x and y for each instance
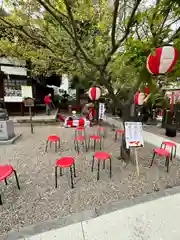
(47, 100)
(81, 122)
(136, 98)
(61, 117)
(92, 113)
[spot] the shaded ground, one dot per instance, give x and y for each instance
(39, 201)
(161, 132)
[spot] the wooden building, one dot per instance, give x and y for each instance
(13, 75)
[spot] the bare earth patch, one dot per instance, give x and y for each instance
(38, 200)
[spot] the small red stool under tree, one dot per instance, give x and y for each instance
(163, 153)
(173, 147)
(65, 162)
(101, 131)
(79, 131)
(53, 139)
(5, 172)
(101, 156)
(80, 140)
(95, 139)
(118, 132)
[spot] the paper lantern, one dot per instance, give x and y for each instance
(139, 98)
(163, 61)
(94, 93)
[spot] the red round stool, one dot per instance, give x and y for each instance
(94, 139)
(65, 162)
(163, 153)
(82, 140)
(53, 139)
(118, 131)
(101, 131)
(173, 147)
(5, 172)
(79, 131)
(101, 156)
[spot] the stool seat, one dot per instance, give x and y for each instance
(102, 155)
(53, 138)
(5, 171)
(162, 152)
(101, 129)
(95, 137)
(80, 128)
(79, 138)
(119, 131)
(65, 162)
(171, 144)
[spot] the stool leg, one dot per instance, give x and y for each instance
(94, 145)
(74, 145)
(50, 144)
(55, 146)
(110, 168)
(115, 136)
(92, 167)
(171, 153)
(104, 163)
(175, 151)
(56, 177)
(100, 143)
(72, 185)
(0, 200)
(74, 168)
(161, 145)
(77, 147)
(152, 159)
(60, 169)
(15, 174)
(167, 163)
(89, 143)
(59, 143)
(46, 145)
(5, 181)
(86, 146)
(98, 169)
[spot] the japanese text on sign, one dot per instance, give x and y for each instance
(134, 134)
(101, 110)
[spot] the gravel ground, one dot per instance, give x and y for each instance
(38, 200)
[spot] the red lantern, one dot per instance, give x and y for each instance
(94, 93)
(163, 61)
(139, 98)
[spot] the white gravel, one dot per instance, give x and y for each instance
(38, 200)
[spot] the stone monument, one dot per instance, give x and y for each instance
(7, 134)
(6, 130)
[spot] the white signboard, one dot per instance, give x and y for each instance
(101, 110)
(13, 99)
(134, 134)
(26, 91)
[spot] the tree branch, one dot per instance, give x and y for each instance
(113, 31)
(174, 36)
(21, 29)
(76, 39)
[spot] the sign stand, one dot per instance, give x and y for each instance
(29, 102)
(137, 160)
